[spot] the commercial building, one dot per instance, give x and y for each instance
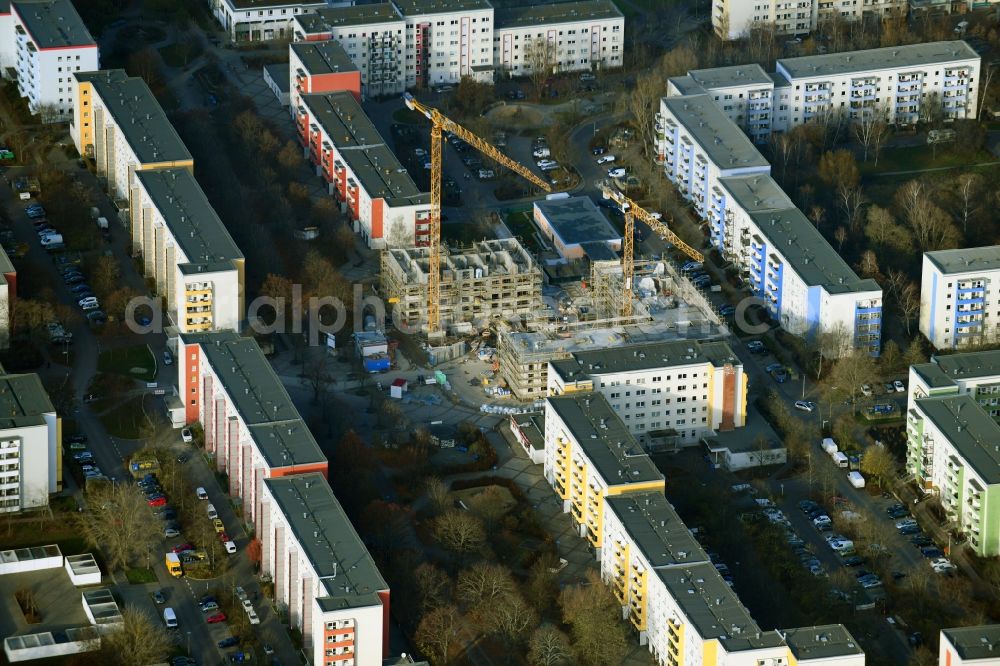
(320, 67)
(733, 19)
(187, 251)
(384, 204)
(371, 35)
(118, 123)
(969, 373)
(323, 576)
(572, 222)
(255, 20)
(493, 278)
(252, 429)
(952, 451)
(30, 444)
(567, 36)
(956, 288)
(43, 43)
(901, 84)
(972, 646)
(590, 455)
(678, 390)
(805, 285)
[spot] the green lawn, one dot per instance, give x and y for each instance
(125, 419)
(912, 158)
(521, 224)
(407, 117)
(136, 361)
(140, 576)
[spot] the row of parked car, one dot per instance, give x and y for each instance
(80, 291)
(83, 457)
(907, 526)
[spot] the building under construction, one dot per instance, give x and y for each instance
(492, 279)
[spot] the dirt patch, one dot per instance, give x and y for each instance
(516, 117)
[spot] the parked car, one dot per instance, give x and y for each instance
(898, 385)
(168, 359)
(617, 172)
(606, 159)
(921, 541)
(756, 347)
(215, 618)
(180, 548)
(219, 527)
(931, 552)
(866, 390)
(157, 501)
(229, 642)
(599, 150)
(201, 493)
(171, 532)
(186, 436)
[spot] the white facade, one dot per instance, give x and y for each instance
(8, 43)
(733, 19)
(51, 43)
(685, 391)
(581, 36)
(246, 20)
(30, 445)
(448, 43)
(970, 646)
(956, 290)
(339, 602)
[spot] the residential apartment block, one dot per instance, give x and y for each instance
(589, 456)
(956, 290)
(8, 296)
(677, 391)
(187, 251)
(579, 36)
(903, 84)
(255, 20)
(320, 67)
(804, 284)
(952, 451)
(732, 19)
(419, 43)
(970, 646)
(323, 576)
(371, 35)
(972, 373)
(43, 43)
(252, 429)
(118, 123)
(683, 609)
(362, 172)
(30, 444)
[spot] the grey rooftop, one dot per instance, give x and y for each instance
(966, 260)
(550, 14)
(326, 57)
(645, 356)
(329, 18)
(969, 429)
(23, 401)
(53, 24)
(894, 58)
(655, 528)
(718, 136)
(577, 220)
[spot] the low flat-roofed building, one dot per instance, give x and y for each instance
(826, 644)
(589, 455)
(974, 373)
(257, 20)
(952, 450)
(277, 77)
(647, 383)
(187, 251)
(323, 576)
(529, 430)
(570, 222)
(8, 296)
(118, 123)
(756, 444)
(252, 429)
(956, 288)
(320, 67)
(970, 645)
(384, 204)
(30, 444)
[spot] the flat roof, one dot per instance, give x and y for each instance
(577, 220)
(757, 192)
(324, 57)
(969, 364)
(604, 439)
(418, 7)
(327, 18)
(728, 77)
(259, 397)
(815, 261)
(261, 4)
(561, 12)
(278, 72)
(895, 58)
(687, 85)
(718, 136)
(192, 220)
(969, 429)
(966, 260)
(933, 375)
(532, 426)
(363, 148)
(598, 251)
(53, 23)
(138, 116)
(23, 401)
(822, 642)
(747, 438)
(982, 642)
(655, 528)
(328, 539)
(710, 605)
(646, 356)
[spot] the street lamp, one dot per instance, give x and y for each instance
(189, 643)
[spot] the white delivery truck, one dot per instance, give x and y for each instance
(170, 618)
(829, 446)
(841, 459)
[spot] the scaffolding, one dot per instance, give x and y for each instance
(492, 279)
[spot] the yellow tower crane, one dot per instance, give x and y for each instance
(439, 123)
(631, 209)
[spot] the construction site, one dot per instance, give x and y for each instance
(492, 279)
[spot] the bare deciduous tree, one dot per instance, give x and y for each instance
(512, 617)
(436, 632)
(119, 521)
(437, 494)
(459, 532)
(908, 302)
(879, 463)
(540, 56)
(433, 586)
(872, 130)
(594, 617)
(548, 647)
(138, 641)
(484, 583)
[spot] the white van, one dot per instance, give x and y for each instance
(170, 618)
(212, 514)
